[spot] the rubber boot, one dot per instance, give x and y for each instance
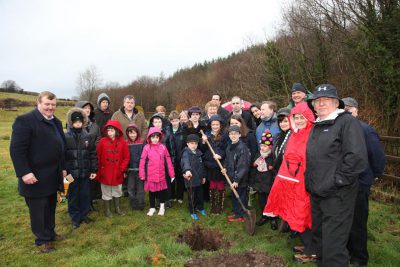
(117, 208)
(220, 203)
(107, 205)
(213, 201)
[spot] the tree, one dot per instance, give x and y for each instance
(88, 82)
(10, 86)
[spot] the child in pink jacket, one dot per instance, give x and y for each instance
(154, 162)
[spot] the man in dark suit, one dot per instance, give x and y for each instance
(237, 108)
(221, 111)
(37, 152)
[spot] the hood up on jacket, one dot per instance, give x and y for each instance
(139, 134)
(81, 104)
(69, 119)
(101, 97)
(116, 124)
(303, 109)
(151, 131)
(157, 115)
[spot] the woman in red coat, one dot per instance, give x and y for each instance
(113, 155)
(288, 198)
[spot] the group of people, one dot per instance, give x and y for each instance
(311, 164)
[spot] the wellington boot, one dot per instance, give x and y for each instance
(213, 201)
(117, 208)
(107, 205)
(220, 202)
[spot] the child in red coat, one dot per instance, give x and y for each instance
(113, 155)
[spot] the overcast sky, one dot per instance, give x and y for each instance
(45, 44)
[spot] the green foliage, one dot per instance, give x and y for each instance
(277, 73)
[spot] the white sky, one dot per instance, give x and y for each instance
(45, 44)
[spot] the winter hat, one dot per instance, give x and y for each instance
(192, 138)
(215, 118)
(194, 110)
(267, 138)
(76, 116)
(234, 128)
(283, 112)
(325, 90)
(351, 102)
(298, 87)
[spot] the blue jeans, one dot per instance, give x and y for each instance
(243, 195)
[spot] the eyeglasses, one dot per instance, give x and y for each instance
(235, 103)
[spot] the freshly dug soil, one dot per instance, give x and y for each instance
(249, 258)
(202, 239)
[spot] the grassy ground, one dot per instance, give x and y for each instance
(135, 239)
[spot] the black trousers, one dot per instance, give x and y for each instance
(357, 244)
(308, 242)
(178, 186)
(160, 195)
(79, 200)
(332, 218)
(195, 198)
(42, 211)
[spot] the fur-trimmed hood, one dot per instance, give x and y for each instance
(76, 109)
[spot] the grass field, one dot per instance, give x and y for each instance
(134, 239)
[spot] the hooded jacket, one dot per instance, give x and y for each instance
(336, 154)
(91, 127)
(102, 117)
(288, 197)
(168, 139)
(135, 148)
(137, 118)
(155, 160)
(113, 156)
(80, 150)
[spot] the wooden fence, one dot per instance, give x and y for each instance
(387, 187)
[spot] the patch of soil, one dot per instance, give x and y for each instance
(249, 258)
(199, 238)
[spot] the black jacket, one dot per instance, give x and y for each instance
(262, 181)
(251, 143)
(37, 146)
(336, 155)
(193, 162)
(278, 149)
(80, 154)
(92, 127)
(376, 156)
(247, 118)
(237, 163)
(179, 145)
(219, 148)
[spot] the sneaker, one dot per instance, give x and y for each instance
(302, 258)
(203, 212)
(194, 216)
(161, 212)
(46, 248)
(75, 225)
(298, 249)
(230, 216)
(151, 212)
(234, 219)
(180, 201)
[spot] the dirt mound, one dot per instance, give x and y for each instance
(202, 239)
(250, 258)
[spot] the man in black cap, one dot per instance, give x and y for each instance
(336, 156)
(299, 94)
(357, 244)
